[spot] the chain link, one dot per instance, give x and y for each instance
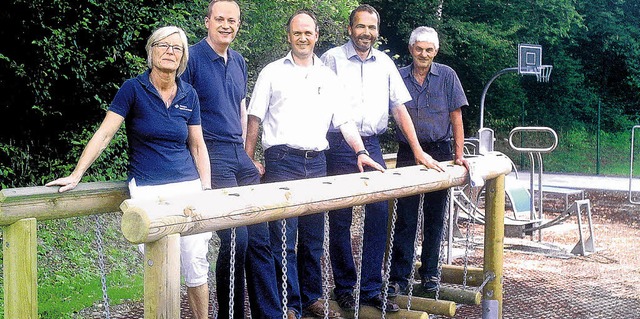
(416, 243)
(445, 230)
(325, 270)
(358, 261)
(327, 263)
(103, 272)
(387, 264)
(469, 237)
(232, 271)
(284, 269)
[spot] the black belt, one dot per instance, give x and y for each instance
(303, 153)
(364, 138)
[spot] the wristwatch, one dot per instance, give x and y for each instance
(364, 151)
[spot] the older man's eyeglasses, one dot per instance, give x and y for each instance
(165, 47)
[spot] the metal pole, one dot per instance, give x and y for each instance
(493, 248)
(486, 88)
(598, 143)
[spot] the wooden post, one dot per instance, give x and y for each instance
(493, 248)
(20, 270)
(162, 278)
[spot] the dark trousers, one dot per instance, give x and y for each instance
(434, 208)
(230, 167)
(341, 159)
(304, 273)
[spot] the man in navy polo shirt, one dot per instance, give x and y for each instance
(219, 75)
(435, 110)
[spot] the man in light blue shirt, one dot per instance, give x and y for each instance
(375, 89)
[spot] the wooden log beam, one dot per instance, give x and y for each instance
(457, 295)
(44, 203)
(452, 274)
(374, 313)
(149, 220)
(428, 305)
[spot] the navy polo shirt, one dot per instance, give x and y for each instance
(221, 87)
(430, 105)
(157, 135)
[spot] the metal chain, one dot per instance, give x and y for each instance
(284, 269)
(445, 231)
(103, 273)
(356, 311)
(416, 242)
(469, 237)
(387, 264)
(232, 271)
(325, 270)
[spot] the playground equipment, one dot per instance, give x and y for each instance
(148, 221)
(159, 223)
(523, 201)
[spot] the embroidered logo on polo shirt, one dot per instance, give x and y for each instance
(183, 108)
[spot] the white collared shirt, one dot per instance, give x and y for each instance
(374, 86)
(298, 104)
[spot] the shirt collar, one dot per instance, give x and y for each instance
(351, 52)
(288, 59)
(145, 80)
(408, 71)
(214, 55)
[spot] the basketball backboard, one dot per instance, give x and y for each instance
(529, 58)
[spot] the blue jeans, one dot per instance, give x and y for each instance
(341, 159)
(230, 167)
(434, 208)
(304, 273)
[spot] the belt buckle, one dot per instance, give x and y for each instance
(308, 154)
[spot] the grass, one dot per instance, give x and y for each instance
(577, 153)
(68, 273)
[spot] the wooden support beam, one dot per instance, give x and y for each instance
(374, 313)
(457, 295)
(149, 220)
(452, 274)
(44, 203)
(431, 306)
(20, 270)
(162, 278)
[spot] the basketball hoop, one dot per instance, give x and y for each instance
(544, 73)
